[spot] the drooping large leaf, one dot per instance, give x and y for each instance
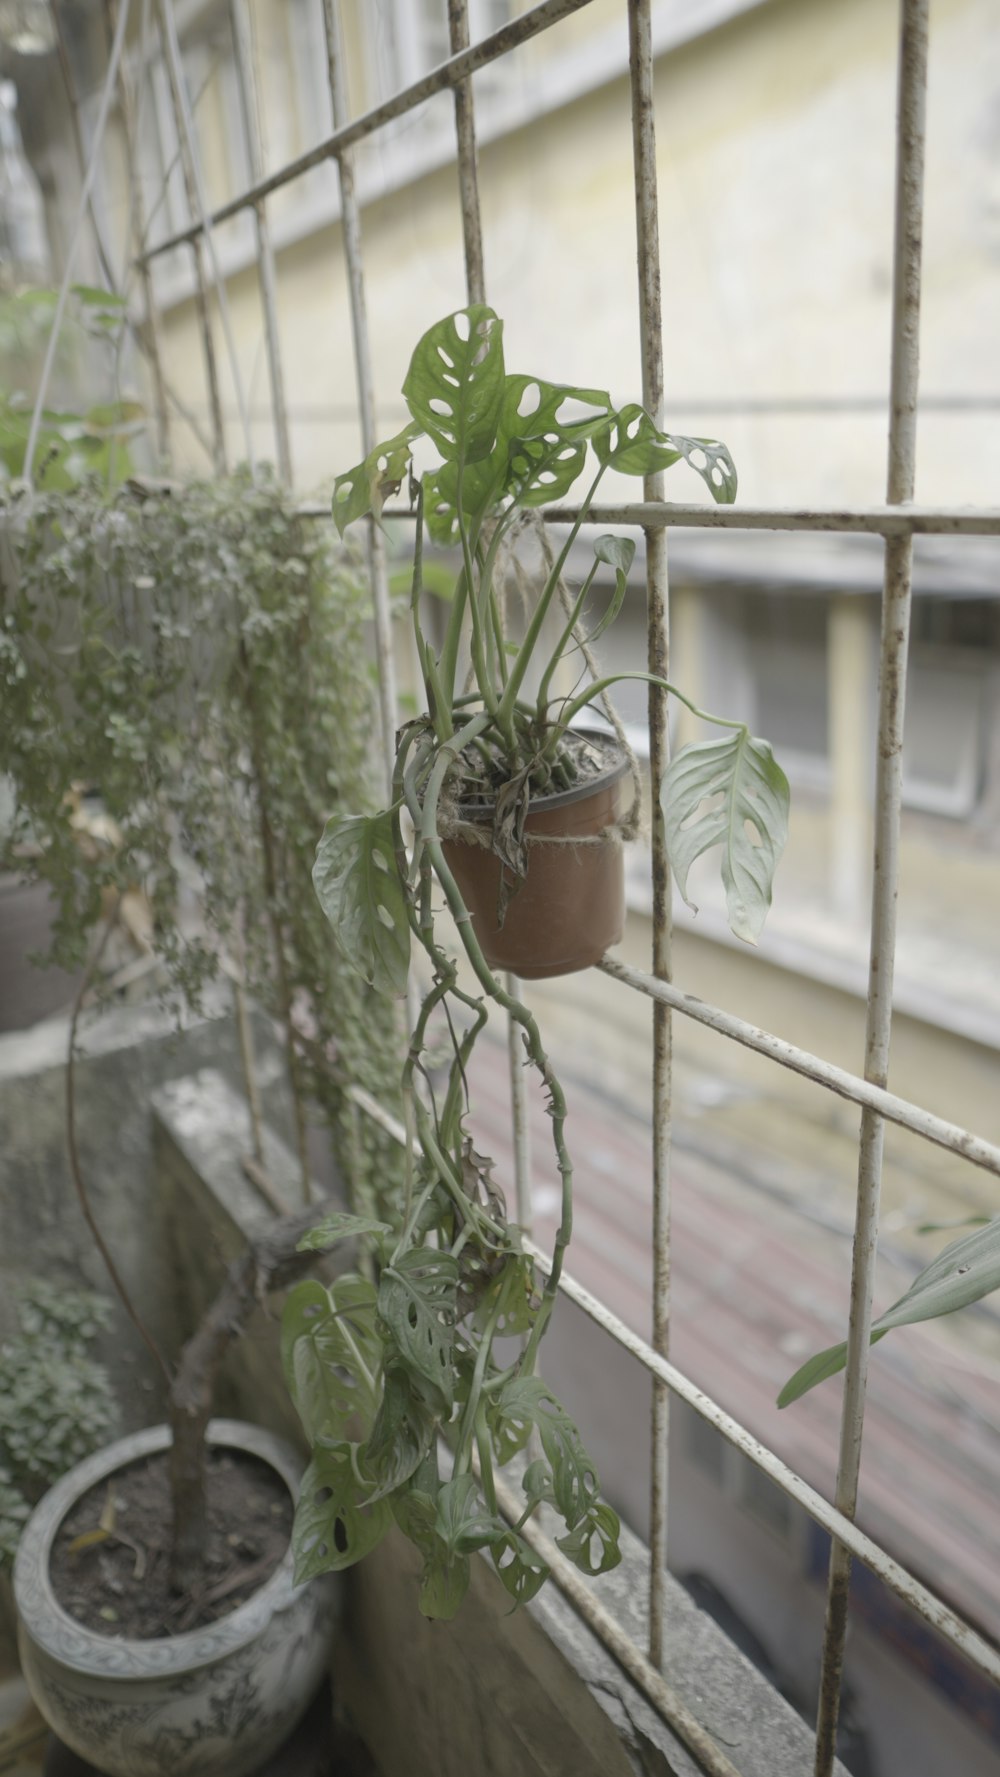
(445, 1577)
(963, 1273)
(592, 1544)
(731, 793)
(416, 1300)
(367, 486)
(512, 1297)
(359, 889)
(524, 1402)
(331, 1354)
(401, 1436)
(335, 1526)
(463, 1522)
(455, 384)
(339, 1226)
(522, 1571)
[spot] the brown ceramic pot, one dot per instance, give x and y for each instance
(570, 907)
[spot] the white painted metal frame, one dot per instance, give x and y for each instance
(896, 522)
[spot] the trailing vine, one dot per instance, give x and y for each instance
(191, 665)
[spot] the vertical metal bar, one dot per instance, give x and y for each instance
(151, 324)
(475, 285)
(910, 125)
(246, 81)
(658, 650)
(197, 247)
(351, 224)
(468, 175)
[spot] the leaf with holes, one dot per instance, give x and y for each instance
(592, 1545)
(416, 1300)
(630, 442)
(339, 1226)
(512, 1297)
(331, 1354)
(401, 1436)
(359, 890)
(532, 408)
(455, 384)
(711, 460)
(445, 1578)
(335, 1526)
(482, 487)
(367, 486)
(462, 1522)
(731, 793)
(963, 1273)
(524, 1402)
(522, 1571)
(543, 468)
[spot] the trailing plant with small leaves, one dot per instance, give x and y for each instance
(185, 700)
(56, 1405)
(382, 1369)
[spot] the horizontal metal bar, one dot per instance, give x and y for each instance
(823, 1073)
(879, 521)
(440, 79)
(933, 1611)
(713, 1761)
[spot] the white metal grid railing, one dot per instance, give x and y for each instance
(896, 522)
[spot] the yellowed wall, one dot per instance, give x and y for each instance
(775, 141)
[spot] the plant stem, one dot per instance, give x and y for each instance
(76, 1172)
(539, 614)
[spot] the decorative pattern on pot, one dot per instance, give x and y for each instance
(570, 906)
(213, 1702)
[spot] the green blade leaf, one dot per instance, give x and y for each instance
(617, 553)
(339, 1226)
(963, 1273)
(749, 821)
(331, 1354)
(522, 1571)
(401, 1436)
(367, 486)
(416, 1300)
(513, 1298)
(463, 1523)
(547, 444)
(455, 384)
(544, 468)
(335, 1525)
(359, 889)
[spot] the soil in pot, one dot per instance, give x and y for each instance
(570, 906)
(109, 1562)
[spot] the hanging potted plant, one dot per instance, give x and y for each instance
(502, 804)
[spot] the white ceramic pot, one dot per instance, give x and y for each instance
(215, 1702)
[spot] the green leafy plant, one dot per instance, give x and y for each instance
(381, 1367)
(56, 1405)
(187, 668)
(73, 444)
